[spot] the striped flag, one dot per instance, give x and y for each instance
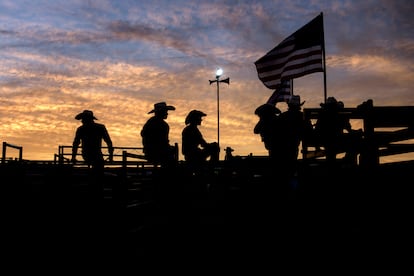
(282, 93)
(298, 55)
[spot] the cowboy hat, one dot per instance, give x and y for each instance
(86, 114)
(193, 115)
(295, 101)
(161, 106)
(330, 101)
(266, 109)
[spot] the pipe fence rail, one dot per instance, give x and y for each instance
(4, 152)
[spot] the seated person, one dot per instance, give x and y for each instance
(155, 137)
(195, 148)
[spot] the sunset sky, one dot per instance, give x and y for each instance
(118, 58)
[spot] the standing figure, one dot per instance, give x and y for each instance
(292, 127)
(330, 128)
(195, 148)
(155, 137)
(229, 156)
(267, 127)
(90, 135)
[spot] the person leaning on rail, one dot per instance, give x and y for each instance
(90, 136)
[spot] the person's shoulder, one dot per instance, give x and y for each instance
(190, 128)
(186, 128)
(99, 125)
(155, 120)
(284, 114)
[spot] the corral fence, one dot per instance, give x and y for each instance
(387, 131)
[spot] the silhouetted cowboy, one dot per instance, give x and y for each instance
(90, 136)
(195, 148)
(291, 129)
(155, 136)
(330, 128)
(267, 126)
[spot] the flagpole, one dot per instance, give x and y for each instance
(324, 63)
(218, 111)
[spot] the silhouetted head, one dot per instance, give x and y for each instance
(194, 116)
(267, 110)
(367, 105)
(331, 102)
(86, 115)
(161, 107)
(294, 102)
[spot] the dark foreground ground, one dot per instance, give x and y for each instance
(331, 219)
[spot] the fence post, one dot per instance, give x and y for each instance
(370, 155)
(60, 157)
(123, 184)
(3, 156)
(20, 153)
(5, 145)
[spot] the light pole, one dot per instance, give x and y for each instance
(219, 72)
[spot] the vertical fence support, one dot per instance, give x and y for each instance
(5, 145)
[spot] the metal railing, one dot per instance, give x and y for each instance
(64, 155)
(4, 152)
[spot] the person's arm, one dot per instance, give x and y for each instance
(108, 142)
(202, 142)
(75, 145)
(347, 126)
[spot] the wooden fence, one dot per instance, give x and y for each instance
(387, 130)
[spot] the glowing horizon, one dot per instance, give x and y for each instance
(118, 59)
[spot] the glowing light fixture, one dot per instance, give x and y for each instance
(219, 72)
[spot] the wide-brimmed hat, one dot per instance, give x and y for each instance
(194, 115)
(86, 114)
(161, 106)
(295, 101)
(331, 102)
(267, 109)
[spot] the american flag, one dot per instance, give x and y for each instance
(298, 55)
(282, 93)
